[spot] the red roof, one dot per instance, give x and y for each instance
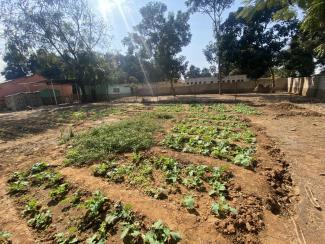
(26, 80)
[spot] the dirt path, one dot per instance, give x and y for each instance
(302, 139)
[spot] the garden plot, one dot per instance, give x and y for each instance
(222, 136)
(63, 213)
(168, 198)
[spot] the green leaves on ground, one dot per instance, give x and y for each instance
(222, 208)
(125, 136)
(222, 137)
(188, 202)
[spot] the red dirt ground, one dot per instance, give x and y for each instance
(290, 132)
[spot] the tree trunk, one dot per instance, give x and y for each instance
(172, 88)
(273, 79)
(84, 97)
(219, 78)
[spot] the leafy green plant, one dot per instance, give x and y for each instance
(222, 208)
(245, 109)
(159, 233)
(31, 208)
(94, 206)
(188, 202)
(17, 187)
(61, 238)
(18, 176)
(102, 169)
(59, 192)
(131, 232)
(40, 220)
(38, 167)
(5, 237)
(76, 198)
(217, 188)
(244, 157)
(96, 239)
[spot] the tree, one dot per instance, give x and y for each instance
(205, 72)
(17, 64)
(298, 59)
(160, 37)
(214, 9)
(47, 64)
(255, 45)
(67, 28)
(313, 22)
(193, 72)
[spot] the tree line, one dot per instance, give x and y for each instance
(66, 39)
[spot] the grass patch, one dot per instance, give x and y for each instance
(126, 136)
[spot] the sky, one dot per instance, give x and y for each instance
(122, 15)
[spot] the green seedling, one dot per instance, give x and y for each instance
(102, 169)
(5, 237)
(131, 232)
(61, 238)
(41, 220)
(18, 187)
(222, 208)
(189, 202)
(159, 233)
(31, 208)
(59, 192)
(38, 167)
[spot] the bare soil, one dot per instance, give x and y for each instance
(281, 201)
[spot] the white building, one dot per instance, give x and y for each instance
(211, 80)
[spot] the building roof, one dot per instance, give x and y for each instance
(25, 80)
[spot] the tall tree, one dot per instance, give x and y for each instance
(17, 63)
(160, 37)
(205, 72)
(193, 72)
(214, 9)
(68, 28)
(255, 45)
(313, 22)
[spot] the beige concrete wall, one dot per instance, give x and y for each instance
(163, 88)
